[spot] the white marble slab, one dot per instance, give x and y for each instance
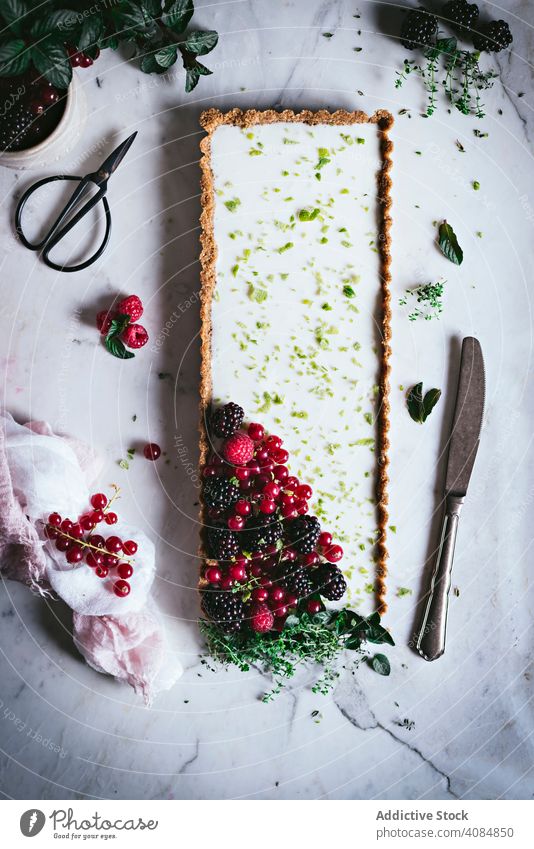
(67, 732)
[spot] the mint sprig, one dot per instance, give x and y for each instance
(113, 342)
(449, 243)
(420, 407)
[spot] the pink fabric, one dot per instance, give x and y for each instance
(129, 647)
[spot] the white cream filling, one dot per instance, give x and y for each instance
(295, 313)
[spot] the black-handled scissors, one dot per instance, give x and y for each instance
(63, 224)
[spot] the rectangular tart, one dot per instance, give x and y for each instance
(295, 307)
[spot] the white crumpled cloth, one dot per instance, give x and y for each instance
(41, 473)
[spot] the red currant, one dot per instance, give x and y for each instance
(334, 553)
(152, 451)
(129, 547)
(75, 57)
(288, 511)
(260, 594)
(87, 523)
(97, 516)
(209, 472)
(75, 554)
(96, 539)
(66, 525)
(325, 539)
(265, 581)
(292, 600)
(267, 506)
(314, 606)
(98, 501)
(262, 453)
(236, 523)
(76, 530)
(304, 491)
(63, 544)
(277, 594)
(243, 508)
(226, 583)
(121, 588)
(291, 483)
(280, 456)
(110, 560)
(310, 559)
(242, 473)
(86, 62)
(51, 532)
(237, 573)
(301, 506)
(54, 519)
(254, 467)
(213, 575)
(124, 570)
(114, 544)
(280, 473)
(94, 559)
(290, 554)
(111, 518)
(281, 611)
(101, 571)
(256, 431)
(271, 489)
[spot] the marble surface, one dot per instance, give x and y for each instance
(458, 728)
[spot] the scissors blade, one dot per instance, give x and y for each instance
(110, 165)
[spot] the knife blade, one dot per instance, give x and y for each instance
(463, 447)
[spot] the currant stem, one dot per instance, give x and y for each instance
(84, 544)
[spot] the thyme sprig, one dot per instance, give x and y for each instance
(429, 299)
(462, 82)
(321, 639)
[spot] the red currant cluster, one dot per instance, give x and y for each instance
(78, 541)
(78, 59)
(271, 556)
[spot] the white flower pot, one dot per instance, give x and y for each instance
(60, 141)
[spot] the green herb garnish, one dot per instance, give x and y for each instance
(232, 205)
(429, 296)
(449, 243)
(420, 408)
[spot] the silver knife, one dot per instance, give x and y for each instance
(463, 446)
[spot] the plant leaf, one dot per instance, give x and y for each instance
(200, 43)
(449, 244)
(13, 12)
(354, 642)
(116, 347)
(14, 58)
(380, 664)
(414, 402)
(177, 15)
(51, 59)
(63, 20)
(191, 78)
(431, 399)
(91, 32)
(129, 20)
(166, 56)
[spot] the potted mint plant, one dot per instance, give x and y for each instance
(41, 104)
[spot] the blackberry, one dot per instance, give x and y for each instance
(261, 531)
(495, 37)
(226, 420)
(224, 608)
(303, 533)
(461, 15)
(330, 583)
(221, 543)
(418, 29)
(295, 581)
(220, 493)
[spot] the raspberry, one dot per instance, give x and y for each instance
(134, 336)
(494, 38)
(461, 14)
(238, 449)
(418, 29)
(330, 583)
(220, 493)
(261, 618)
(226, 420)
(104, 319)
(304, 533)
(131, 306)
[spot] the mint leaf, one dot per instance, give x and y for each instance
(51, 59)
(13, 11)
(178, 15)
(63, 20)
(380, 664)
(200, 43)
(449, 244)
(420, 408)
(166, 56)
(430, 400)
(114, 343)
(14, 58)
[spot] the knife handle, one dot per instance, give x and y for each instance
(431, 640)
